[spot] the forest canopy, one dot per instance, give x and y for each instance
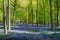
(26, 10)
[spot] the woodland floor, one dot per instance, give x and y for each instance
(29, 32)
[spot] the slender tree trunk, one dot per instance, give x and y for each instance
(8, 15)
(4, 17)
(14, 14)
(44, 20)
(27, 16)
(39, 19)
(37, 13)
(51, 15)
(57, 13)
(44, 13)
(32, 12)
(39, 16)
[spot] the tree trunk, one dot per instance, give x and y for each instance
(57, 13)
(51, 15)
(8, 15)
(27, 16)
(37, 13)
(14, 13)
(32, 12)
(4, 17)
(44, 19)
(44, 12)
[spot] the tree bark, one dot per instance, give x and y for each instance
(32, 12)
(37, 13)
(8, 15)
(57, 13)
(4, 17)
(14, 14)
(51, 15)
(44, 13)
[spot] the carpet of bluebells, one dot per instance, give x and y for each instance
(29, 32)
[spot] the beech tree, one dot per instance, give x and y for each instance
(37, 13)
(57, 13)
(4, 17)
(14, 12)
(8, 16)
(51, 18)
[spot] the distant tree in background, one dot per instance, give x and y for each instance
(57, 5)
(14, 12)
(37, 13)
(44, 12)
(51, 18)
